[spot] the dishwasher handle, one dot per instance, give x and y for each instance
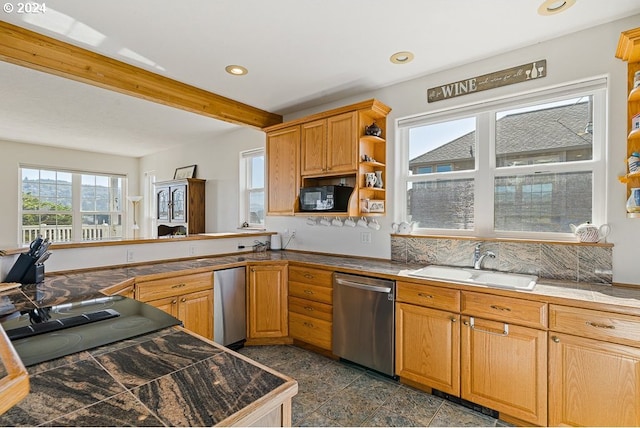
(367, 287)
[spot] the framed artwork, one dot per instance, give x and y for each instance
(185, 172)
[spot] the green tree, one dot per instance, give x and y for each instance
(33, 203)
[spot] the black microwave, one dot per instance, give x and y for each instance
(325, 198)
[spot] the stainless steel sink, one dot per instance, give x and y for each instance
(514, 281)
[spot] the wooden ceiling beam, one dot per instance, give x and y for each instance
(36, 51)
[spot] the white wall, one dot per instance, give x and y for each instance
(12, 155)
(570, 58)
(218, 162)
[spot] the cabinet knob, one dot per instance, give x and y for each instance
(308, 292)
(556, 339)
(183, 299)
(453, 319)
(174, 301)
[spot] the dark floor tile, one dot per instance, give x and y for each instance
(385, 417)
(348, 409)
(451, 414)
(317, 420)
(415, 405)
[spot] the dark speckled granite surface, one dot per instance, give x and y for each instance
(168, 378)
(172, 378)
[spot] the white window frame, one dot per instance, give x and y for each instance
(76, 200)
(246, 189)
(485, 170)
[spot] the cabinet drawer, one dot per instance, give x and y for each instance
(505, 309)
(310, 330)
(312, 292)
(177, 285)
(312, 276)
(607, 326)
(428, 296)
(310, 308)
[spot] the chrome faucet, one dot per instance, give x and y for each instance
(478, 258)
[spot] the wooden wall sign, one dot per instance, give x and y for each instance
(521, 73)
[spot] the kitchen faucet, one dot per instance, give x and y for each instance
(478, 258)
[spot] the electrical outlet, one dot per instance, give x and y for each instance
(129, 255)
(192, 250)
(365, 237)
(293, 233)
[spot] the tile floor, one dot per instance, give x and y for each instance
(334, 393)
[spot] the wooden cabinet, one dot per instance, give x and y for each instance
(428, 337)
(329, 147)
(311, 306)
(594, 368)
(629, 50)
(267, 316)
(180, 206)
(504, 362)
(188, 298)
(283, 177)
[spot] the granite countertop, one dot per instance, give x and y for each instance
(167, 378)
(118, 384)
(59, 288)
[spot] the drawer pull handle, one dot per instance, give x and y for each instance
(598, 325)
(308, 292)
(308, 324)
(308, 308)
(471, 324)
(426, 296)
(500, 308)
(308, 275)
(556, 339)
(178, 285)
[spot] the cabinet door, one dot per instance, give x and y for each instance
(162, 203)
(267, 312)
(593, 383)
(428, 347)
(195, 310)
(178, 204)
(168, 305)
(313, 147)
(505, 368)
(283, 148)
(342, 143)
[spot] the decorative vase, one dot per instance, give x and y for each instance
(369, 179)
(633, 203)
(378, 182)
(373, 129)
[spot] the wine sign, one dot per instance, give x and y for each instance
(521, 73)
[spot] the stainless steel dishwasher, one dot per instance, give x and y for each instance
(363, 321)
(229, 303)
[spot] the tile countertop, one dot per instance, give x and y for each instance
(60, 288)
(184, 380)
(118, 384)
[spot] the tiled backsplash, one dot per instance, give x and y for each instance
(565, 261)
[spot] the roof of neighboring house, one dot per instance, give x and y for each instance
(552, 129)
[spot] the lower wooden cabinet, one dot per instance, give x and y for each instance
(428, 347)
(267, 316)
(504, 368)
(195, 310)
(311, 306)
(594, 380)
(187, 297)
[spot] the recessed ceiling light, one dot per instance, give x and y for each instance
(551, 7)
(236, 70)
(401, 57)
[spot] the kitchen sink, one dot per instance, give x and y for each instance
(514, 281)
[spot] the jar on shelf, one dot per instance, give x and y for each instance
(634, 162)
(633, 203)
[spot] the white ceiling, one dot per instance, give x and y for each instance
(299, 53)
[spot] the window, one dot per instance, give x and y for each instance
(252, 188)
(527, 166)
(69, 206)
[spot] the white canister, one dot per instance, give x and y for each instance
(276, 242)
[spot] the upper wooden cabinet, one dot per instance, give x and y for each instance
(283, 178)
(333, 149)
(328, 145)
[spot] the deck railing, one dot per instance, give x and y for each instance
(65, 233)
